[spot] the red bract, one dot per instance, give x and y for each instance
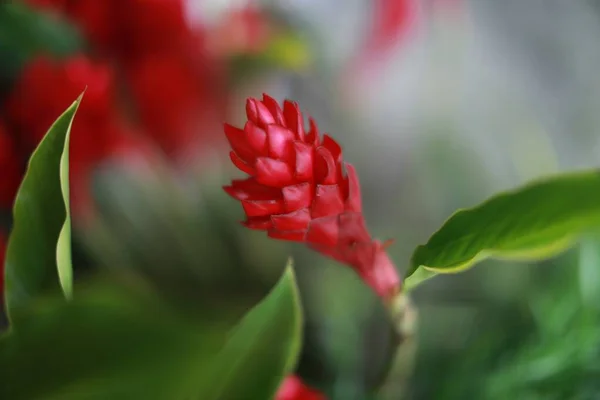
(293, 388)
(298, 190)
(10, 169)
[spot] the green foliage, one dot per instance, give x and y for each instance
(534, 222)
(34, 264)
(25, 33)
(262, 349)
(105, 344)
(114, 341)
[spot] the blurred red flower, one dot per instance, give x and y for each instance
(10, 167)
(127, 29)
(45, 89)
(293, 388)
(242, 30)
(96, 19)
(153, 26)
(177, 105)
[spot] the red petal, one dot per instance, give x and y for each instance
(240, 164)
(334, 148)
(249, 189)
(258, 113)
(325, 170)
(304, 161)
(353, 229)
(294, 236)
(281, 142)
(353, 202)
(251, 111)
(262, 208)
(293, 221)
(294, 119)
(328, 201)
(297, 196)
(312, 137)
(323, 231)
(274, 108)
(258, 223)
(257, 138)
(237, 140)
(273, 173)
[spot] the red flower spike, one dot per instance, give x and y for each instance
(300, 190)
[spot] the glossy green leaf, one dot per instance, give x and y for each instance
(534, 222)
(64, 260)
(262, 349)
(33, 260)
(107, 343)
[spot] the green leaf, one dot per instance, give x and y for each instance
(107, 343)
(34, 264)
(120, 340)
(534, 222)
(262, 349)
(64, 260)
(589, 270)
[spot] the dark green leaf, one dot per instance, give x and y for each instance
(262, 349)
(39, 215)
(25, 32)
(104, 344)
(531, 223)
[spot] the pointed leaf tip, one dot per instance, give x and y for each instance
(38, 257)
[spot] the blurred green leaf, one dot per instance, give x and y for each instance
(182, 239)
(105, 344)
(34, 264)
(122, 341)
(262, 349)
(589, 270)
(349, 340)
(534, 222)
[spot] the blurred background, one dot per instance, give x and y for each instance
(438, 104)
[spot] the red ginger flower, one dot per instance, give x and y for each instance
(298, 191)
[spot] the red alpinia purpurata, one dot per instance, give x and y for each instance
(300, 190)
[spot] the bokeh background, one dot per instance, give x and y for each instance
(438, 104)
